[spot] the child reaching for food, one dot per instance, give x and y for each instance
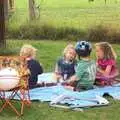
(85, 74)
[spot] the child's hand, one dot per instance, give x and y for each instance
(69, 87)
(73, 78)
(57, 77)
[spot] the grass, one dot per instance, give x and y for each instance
(48, 51)
(71, 13)
(77, 14)
(46, 54)
(66, 19)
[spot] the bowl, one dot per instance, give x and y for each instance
(9, 78)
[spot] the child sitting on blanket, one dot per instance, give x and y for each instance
(65, 66)
(106, 64)
(34, 66)
(84, 77)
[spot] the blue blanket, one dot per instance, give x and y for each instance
(59, 95)
(74, 99)
(50, 93)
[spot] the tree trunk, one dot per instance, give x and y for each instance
(6, 9)
(31, 10)
(2, 24)
(11, 3)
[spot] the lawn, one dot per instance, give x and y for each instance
(48, 51)
(79, 14)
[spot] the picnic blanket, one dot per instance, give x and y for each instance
(58, 95)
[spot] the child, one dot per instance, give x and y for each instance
(35, 68)
(106, 64)
(86, 69)
(65, 66)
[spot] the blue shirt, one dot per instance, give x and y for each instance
(35, 69)
(65, 68)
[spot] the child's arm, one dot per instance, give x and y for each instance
(74, 78)
(57, 73)
(57, 76)
(78, 74)
(107, 71)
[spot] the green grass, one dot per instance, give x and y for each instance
(66, 19)
(64, 13)
(48, 51)
(71, 13)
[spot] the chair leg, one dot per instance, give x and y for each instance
(22, 100)
(7, 102)
(15, 110)
(2, 97)
(3, 106)
(27, 99)
(13, 94)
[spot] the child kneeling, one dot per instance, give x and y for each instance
(86, 69)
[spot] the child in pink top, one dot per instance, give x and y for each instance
(106, 64)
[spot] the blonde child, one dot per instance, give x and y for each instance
(65, 66)
(34, 66)
(106, 64)
(84, 77)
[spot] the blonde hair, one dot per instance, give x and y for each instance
(28, 51)
(67, 48)
(109, 52)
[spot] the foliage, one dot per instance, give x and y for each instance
(104, 33)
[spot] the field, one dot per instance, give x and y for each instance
(47, 53)
(79, 14)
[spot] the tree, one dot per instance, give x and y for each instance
(2, 25)
(11, 4)
(31, 10)
(6, 9)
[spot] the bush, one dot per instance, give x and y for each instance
(104, 33)
(38, 31)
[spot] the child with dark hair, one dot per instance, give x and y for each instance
(86, 69)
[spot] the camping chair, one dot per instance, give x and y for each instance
(14, 76)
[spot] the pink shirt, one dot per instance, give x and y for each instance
(103, 63)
